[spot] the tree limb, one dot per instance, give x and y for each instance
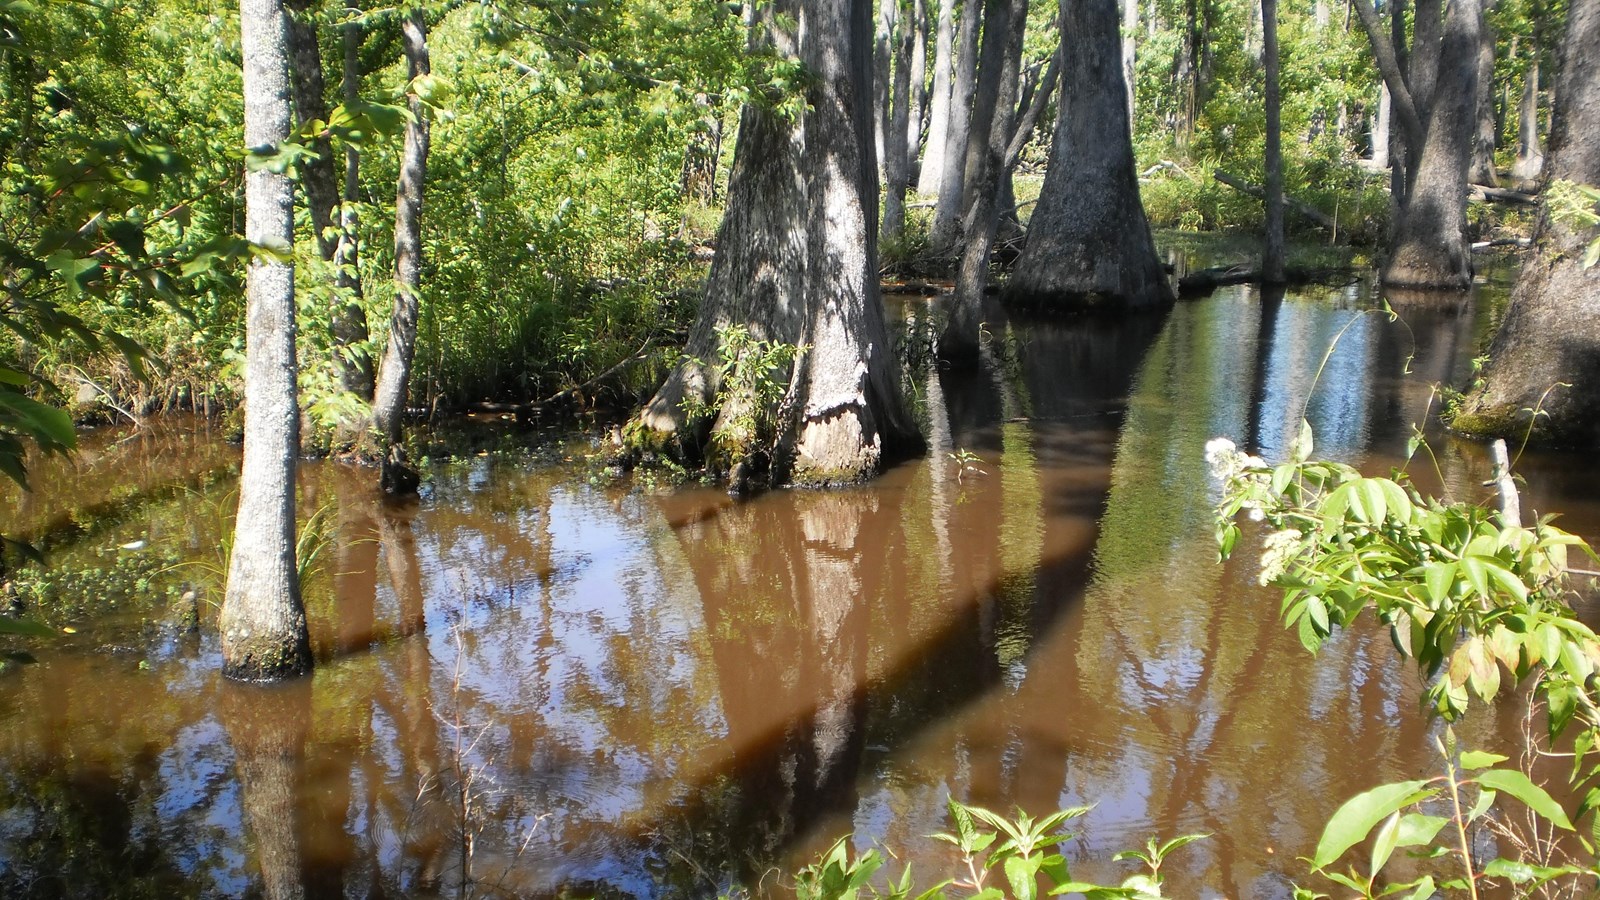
(1030, 118)
(1389, 66)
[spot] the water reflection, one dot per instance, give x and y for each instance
(530, 686)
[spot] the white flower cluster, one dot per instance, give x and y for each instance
(1278, 549)
(1226, 461)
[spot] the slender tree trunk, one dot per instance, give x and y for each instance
(1130, 30)
(847, 411)
(394, 372)
(919, 84)
(932, 173)
(263, 624)
(316, 173)
(1546, 355)
(998, 72)
(952, 184)
(1380, 128)
(353, 362)
(1272, 256)
(1427, 36)
(888, 13)
(1430, 249)
(897, 167)
(1529, 164)
(1088, 238)
(1483, 170)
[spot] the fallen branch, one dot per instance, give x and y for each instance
(1502, 195)
(1306, 210)
(1204, 281)
(1519, 243)
(1510, 502)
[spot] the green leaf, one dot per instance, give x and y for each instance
(1020, 872)
(1478, 759)
(24, 627)
(1438, 576)
(1418, 830)
(1360, 814)
(1509, 781)
(1383, 846)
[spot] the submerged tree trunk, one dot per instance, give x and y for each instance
(351, 359)
(1088, 238)
(268, 730)
(394, 373)
(1529, 164)
(932, 173)
(952, 184)
(1430, 250)
(1272, 255)
(263, 624)
(1004, 23)
(1546, 355)
(797, 263)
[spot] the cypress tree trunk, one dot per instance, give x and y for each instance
(1482, 170)
(351, 359)
(844, 400)
(1272, 256)
(952, 184)
(932, 173)
(394, 372)
(1088, 239)
(897, 167)
(1130, 28)
(919, 84)
(1529, 165)
(1380, 128)
(1551, 332)
(316, 174)
(263, 624)
(797, 263)
(1430, 251)
(998, 72)
(883, 50)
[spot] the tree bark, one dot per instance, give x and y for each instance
(998, 73)
(1392, 67)
(1529, 164)
(952, 184)
(394, 372)
(263, 624)
(1430, 251)
(351, 359)
(1483, 170)
(797, 263)
(1088, 239)
(848, 413)
(919, 84)
(1272, 255)
(883, 49)
(316, 173)
(1551, 333)
(1130, 29)
(931, 175)
(897, 166)
(1427, 36)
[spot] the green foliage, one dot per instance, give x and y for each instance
(752, 376)
(1461, 592)
(1578, 207)
(1000, 859)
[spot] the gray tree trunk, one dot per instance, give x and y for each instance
(394, 372)
(932, 171)
(952, 184)
(1272, 255)
(1130, 29)
(1551, 332)
(844, 399)
(797, 263)
(351, 358)
(883, 51)
(1427, 37)
(316, 174)
(998, 74)
(897, 167)
(1088, 239)
(1529, 164)
(263, 624)
(1380, 128)
(919, 84)
(1430, 249)
(1483, 169)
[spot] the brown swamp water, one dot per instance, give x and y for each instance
(567, 689)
